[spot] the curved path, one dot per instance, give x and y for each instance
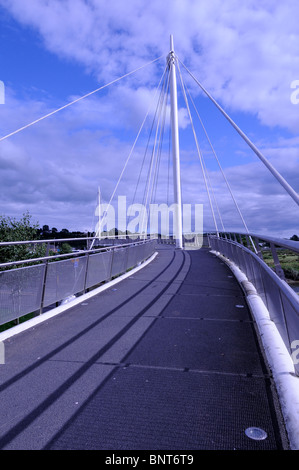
(166, 359)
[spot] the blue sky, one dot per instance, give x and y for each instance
(245, 54)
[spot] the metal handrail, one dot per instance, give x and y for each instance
(52, 240)
(279, 298)
(283, 285)
(29, 289)
(284, 243)
(58, 240)
(65, 255)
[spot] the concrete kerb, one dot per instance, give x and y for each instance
(77, 300)
(278, 357)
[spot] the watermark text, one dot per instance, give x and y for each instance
(295, 93)
(150, 221)
(295, 354)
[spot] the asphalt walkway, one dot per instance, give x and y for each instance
(167, 359)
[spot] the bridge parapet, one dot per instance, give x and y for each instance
(31, 285)
(279, 298)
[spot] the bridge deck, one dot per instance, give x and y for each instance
(167, 359)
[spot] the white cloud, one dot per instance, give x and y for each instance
(54, 169)
(245, 53)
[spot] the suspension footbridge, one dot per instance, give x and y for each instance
(181, 342)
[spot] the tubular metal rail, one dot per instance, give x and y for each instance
(279, 298)
(52, 279)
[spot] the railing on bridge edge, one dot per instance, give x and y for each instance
(281, 301)
(31, 289)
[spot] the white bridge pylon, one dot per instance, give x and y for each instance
(178, 227)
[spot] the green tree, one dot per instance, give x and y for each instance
(12, 230)
(65, 248)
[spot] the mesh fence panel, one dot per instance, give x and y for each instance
(149, 249)
(280, 300)
(132, 256)
(99, 267)
(20, 292)
(140, 253)
(291, 313)
(119, 261)
(64, 278)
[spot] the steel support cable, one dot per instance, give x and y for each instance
(199, 153)
(225, 179)
(211, 186)
(153, 158)
(220, 167)
(144, 220)
(209, 180)
(270, 167)
(214, 196)
(161, 138)
(168, 163)
(153, 161)
(147, 145)
(127, 161)
(78, 99)
(158, 165)
(159, 148)
(223, 174)
(132, 149)
(155, 121)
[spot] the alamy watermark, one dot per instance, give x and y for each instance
(156, 219)
(295, 354)
(2, 92)
(2, 353)
(295, 93)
